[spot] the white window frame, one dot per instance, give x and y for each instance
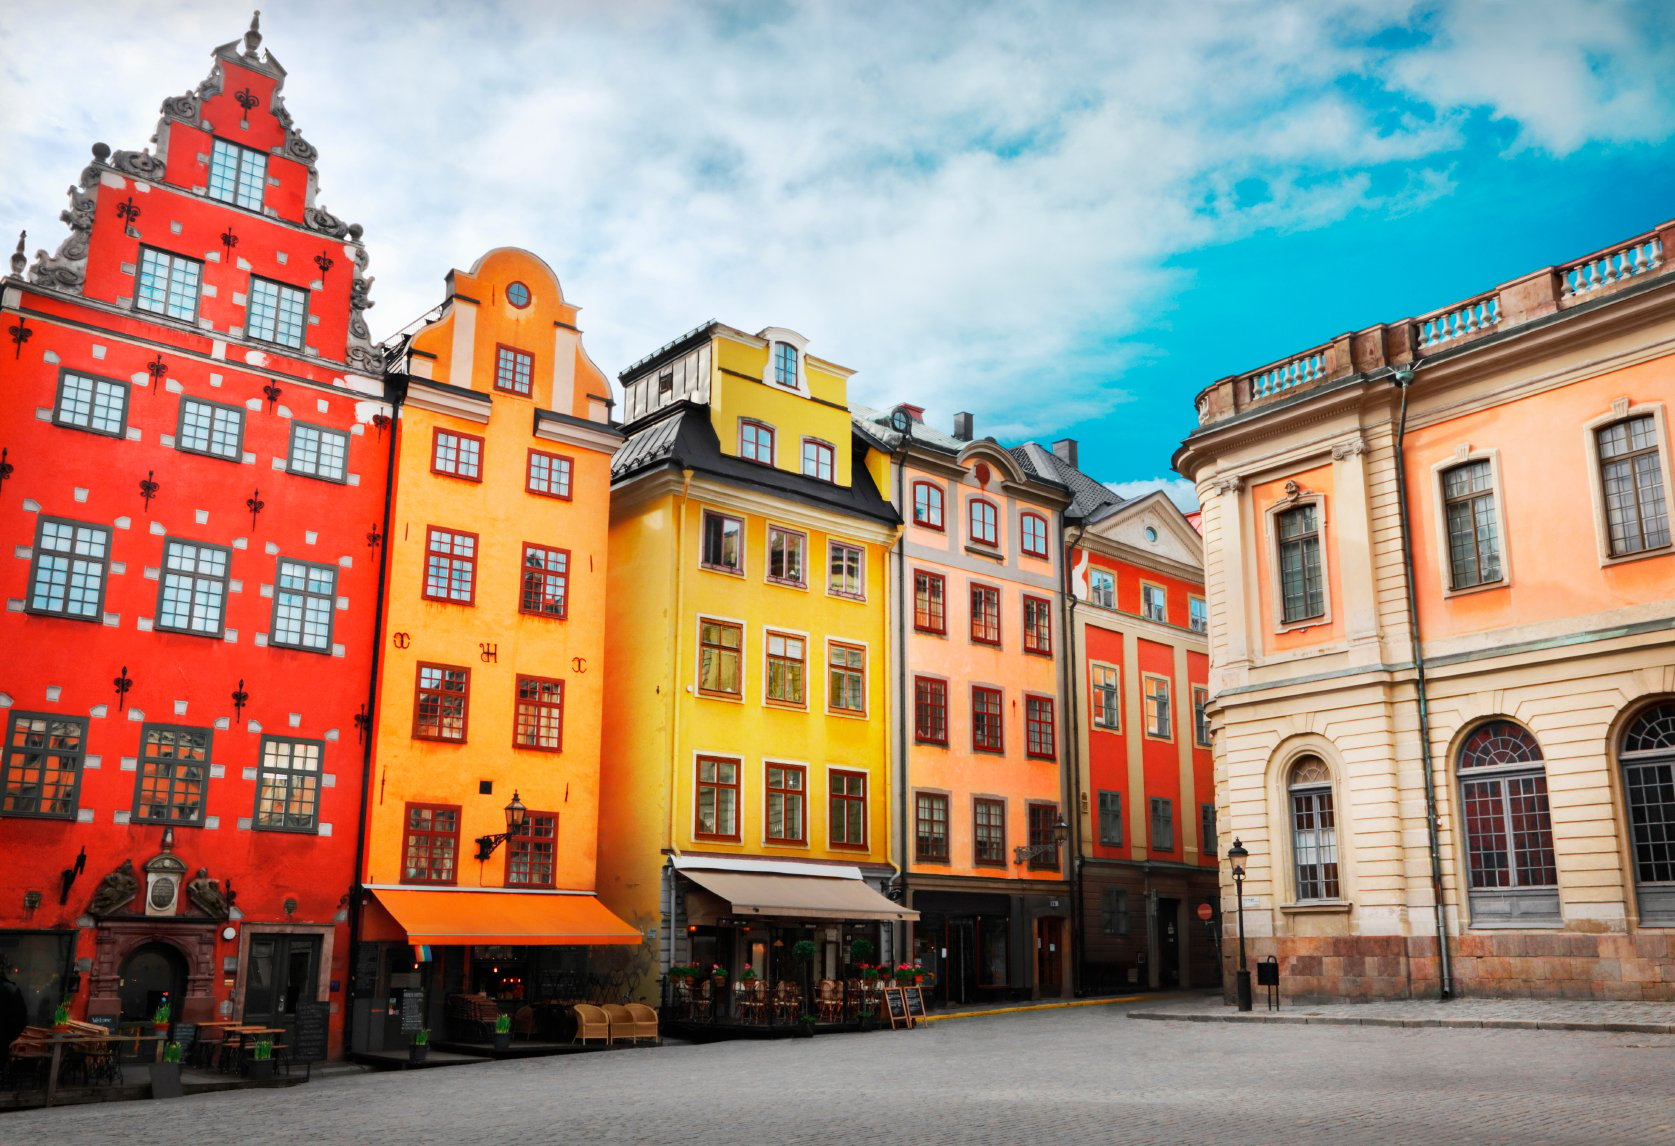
(1620, 410)
(1465, 455)
(1094, 594)
(1271, 516)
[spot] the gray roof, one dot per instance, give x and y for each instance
(876, 423)
(1089, 499)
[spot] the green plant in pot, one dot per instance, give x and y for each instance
(805, 1024)
(172, 1051)
(261, 1060)
(867, 1017)
(420, 1046)
(61, 1016)
(502, 1032)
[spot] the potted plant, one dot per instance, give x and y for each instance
(860, 951)
(420, 1046)
(869, 973)
(165, 1075)
(261, 1060)
(868, 1018)
(718, 973)
(803, 951)
(503, 1032)
(805, 1026)
(61, 1017)
(748, 975)
(906, 973)
(160, 1017)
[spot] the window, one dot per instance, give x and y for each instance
(173, 775)
(440, 697)
(192, 597)
(1158, 716)
(787, 668)
(718, 657)
(41, 769)
(929, 590)
(1163, 824)
(718, 799)
(988, 827)
(1102, 588)
(1154, 603)
(1474, 556)
(846, 678)
(927, 505)
(985, 615)
(517, 294)
(1043, 837)
(210, 428)
(785, 364)
(546, 580)
(1032, 534)
(432, 849)
(1110, 819)
(513, 370)
(787, 804)
(237, 174)
(1302, 593)
(983, 520)
(1113, 911)
(931, 823)
(318, 452)
(1632, 474)
(723, 543)
(96, 404)
(930, 710)
(1207, 830)
(67, 578)
(848, 813)
(1314, 830)
(288, 785)
(1198, 612)
(549, 475)
(168, 284)
(457, 455)
(986, 734)
(450, 566)
(665, 386)
(787, 550)
(304, 596)
(845, 565)
(1201, 716)
(1038, 727)
(756, 442)
(1508, 828)
(540, 714)
(1107, 711)
(1038, 625)
(277, 313)
(532, 850)
(819, 459)
(1647, 754)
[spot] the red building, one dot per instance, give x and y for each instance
(196, 452)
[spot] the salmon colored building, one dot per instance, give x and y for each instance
(484, 791)
(193, 451)
(1440, 574)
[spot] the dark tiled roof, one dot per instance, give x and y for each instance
(1089, 499)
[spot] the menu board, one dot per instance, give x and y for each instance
(915, 1001)
(183, 1034)
(313, 1029)
(412, 1011)
(896, 1002)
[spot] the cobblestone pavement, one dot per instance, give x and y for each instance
(1545, 1014)
(1085, 1073)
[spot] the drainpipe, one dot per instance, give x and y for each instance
(676, 620)
(904, 713)
(1403, 378)
(1070, 678)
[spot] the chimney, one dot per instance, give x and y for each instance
(1065, 451)
(963, 426)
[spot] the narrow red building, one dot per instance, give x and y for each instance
(196, 452)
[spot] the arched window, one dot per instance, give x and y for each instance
(1314, 830)
(1512, 877)
(927, 505)
(983, 519)
(1648, 760)
(1033, 534)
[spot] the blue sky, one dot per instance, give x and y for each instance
(1067, 218)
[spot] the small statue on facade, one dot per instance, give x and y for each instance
(115, 890)
(206, 894)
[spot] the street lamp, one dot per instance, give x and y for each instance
(1061, 833)
(515, 812)
(1238, 854)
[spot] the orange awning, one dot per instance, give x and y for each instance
(504, 918)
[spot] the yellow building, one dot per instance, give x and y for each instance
(747, 801)
(483, 794)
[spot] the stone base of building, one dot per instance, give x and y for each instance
(1143, 927)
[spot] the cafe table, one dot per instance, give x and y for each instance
(248, 1038)
(61, 1040)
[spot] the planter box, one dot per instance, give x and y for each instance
(165, 1080)
(261, 1068)
(503, 1040)
(417, 1052)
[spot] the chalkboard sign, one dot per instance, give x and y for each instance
(915, 997)
(412, 1011)
(897, 1005)
(183, 1034)
(107, 1021)
(313, 1027)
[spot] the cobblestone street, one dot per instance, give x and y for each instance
(1085, 1073)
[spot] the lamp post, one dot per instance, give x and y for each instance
(1061, 833)
(515, 812)
(1238, 854)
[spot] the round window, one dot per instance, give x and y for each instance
(518, 295)
(1151, 534)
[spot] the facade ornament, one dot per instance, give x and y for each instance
(205, 894)
(212, 83)
(20, 261)
(1293, 491)
(253, 38)
(182, 107)
(67, 269)
(1226, 485)
(320, 219)
(1349, 449)
(141, 164)
(116, 890)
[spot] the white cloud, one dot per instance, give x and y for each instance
(1180, 491)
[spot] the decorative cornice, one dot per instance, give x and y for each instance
(1352, 448)
(1231, 484)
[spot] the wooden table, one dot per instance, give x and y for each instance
(60, 1040)
(248, 1037)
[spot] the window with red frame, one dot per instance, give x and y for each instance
(989, 831)
(450, 566)
(717, 799)
(1038, 625)
(431, 854)
(931, 824)
(819, 459)
(787, 804)
(1032, 534)
(546, 579)
(929, 596)
(549, 474)
(457, 455)
(1038, 727)
(986, 733)
(756, 442)
(927, 505)
(1043, 837)
(532, 851)
(513, 370)
(848, 823)
(985, 615)
(930, 710)
(984, 519)
(540, 714)
(441, 695)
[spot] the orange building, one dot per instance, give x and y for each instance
(1440, 573)
(483, 804)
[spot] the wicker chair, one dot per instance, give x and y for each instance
(647, 1018)
(625, 1027)
(591, 1023)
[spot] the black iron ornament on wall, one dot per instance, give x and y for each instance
(229, 240)
(148, 488)
(123, 683)
(240, 699)
(324, 262)
(375, 538)
(248, 100)
(158, 369)
(272, 391)
(254, 503)
(363, 724)
(6, 468)
(128, 210)
(20, 333)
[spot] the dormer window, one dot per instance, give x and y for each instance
(237, 174)
(785, 365)
(756, 442)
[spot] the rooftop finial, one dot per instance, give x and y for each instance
(253, 38)
(19, 261)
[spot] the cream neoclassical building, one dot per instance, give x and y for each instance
(1488, 486)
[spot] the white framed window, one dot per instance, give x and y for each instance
(1314, 831)
(1471, 523)
(237, 174)
(277, 313)
(1198, 614)
(1154, 602)
(785, 369)
(1102, 588)
(846, 565)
